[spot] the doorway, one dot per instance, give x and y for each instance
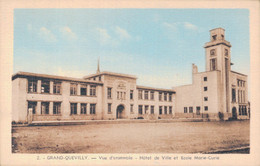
(120, 111)
(234, 113)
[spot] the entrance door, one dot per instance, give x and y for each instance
(119, 111)
(234, 113)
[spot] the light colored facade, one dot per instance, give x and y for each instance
(214, 94)
(217, 93)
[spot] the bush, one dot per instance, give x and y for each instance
(140, 118)
(220, 115)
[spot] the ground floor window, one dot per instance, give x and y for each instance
(198, 110)
(152, 109)
(32, 105)
(146, 109)
(140, 109)
(165, 109)
(92, 108)
(160, 110)
(45, 108)
(242, 110)
(132, 108)
(83, 108)
(185, 110)
(190, 109)
(73, 108)
(56, 107)
(109, 109)
(170, 109)
(206, 108)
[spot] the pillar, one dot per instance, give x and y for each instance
(39, 86)
(38, 108)
(78, 108)
(78, 89)
(51, 108)
(51, 87)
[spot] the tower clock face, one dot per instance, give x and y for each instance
(213, 52)
(226, 52)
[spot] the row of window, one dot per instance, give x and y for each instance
(213, 52)
(240, 95)
(145, 109)
(197, 109)
(242, 110)
(149, 95)
(83, 89)
(83, 108)
(241, 83)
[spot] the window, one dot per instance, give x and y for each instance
(99, 78)
(213, 64)
(92, 108)
(109, 108)
(237, 82)
(45, 86)
(73, 108)
(212, 52)
(140, 94)
(165, 96)
(32, 105)
(152, 109)
(222, 37)
(56, 108)
(205, 88)
(198, 110)
(131, 94)
(185, 110)
(206, 108)
(94, 78)
(214, 37)
(165, 109)
(226, 52)
(146, 108)
(73, 89)
(160, 110)
(170, 109)
(205, 78)
(83, 108)
(109, 93)
(190, 109)
(57, 87)
(152, 95)
(140, 109)
(170, 97)
(32, 85)
(45, 108)
(83, 90)
(146, 95)
(92, 90)
(160, 96)
(132, 108)
(233, 95)
(205, 98)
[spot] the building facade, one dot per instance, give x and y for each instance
(217, 93)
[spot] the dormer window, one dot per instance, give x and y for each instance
(212, 52)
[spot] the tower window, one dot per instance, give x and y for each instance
(205, 88)
(213, 64)
(205, 98)
(205, 79)
(214, 37)
(212, 52)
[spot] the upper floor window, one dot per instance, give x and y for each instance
(205, 79)
(57, 87)
(32, 85)
(83, 89)
(131, 94)
(83, 108)
(45, 87)
(73, 89)
(170, 97)
(152, 95)
(213, 64)
(92, 90)
(206, 108)
(165, 96)
(146, 95)
(140, 94)
(109, 93)
(99, 78)
(160, 96)
(233, 95)
(212, 52)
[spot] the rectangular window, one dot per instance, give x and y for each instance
(92, 108)
(73, 108)
(83, 90)
(170, 97)
(165, 96)
(45, 108)
(83, 108)
(109, 93)
(109, 108)
(146, 95)
(190, 109)
(185, 110)
(99, 78)
(213, 64)
(198, 110)
(32, 105)
(205, 98)
(92, 90)
(160, 110)
(57, 87)
(56, 108)
(45, 86)
(152, 95)
(240, 110)
(152, 109)
(140, 94)
(146, 108)
(132, 108)
(205, 88)
(205, 79)
(140, 109)
(233, 95)
(73, 89)
(131, 94)
(160, 96)
(165, 109)
(206, 108)
(170, 109)
(32, 85)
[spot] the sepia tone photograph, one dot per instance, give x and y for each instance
(131, 81)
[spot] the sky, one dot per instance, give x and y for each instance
(156, 45)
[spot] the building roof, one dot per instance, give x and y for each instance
(47, 76)
(238, 73)
(111, 74)
(155, 89)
